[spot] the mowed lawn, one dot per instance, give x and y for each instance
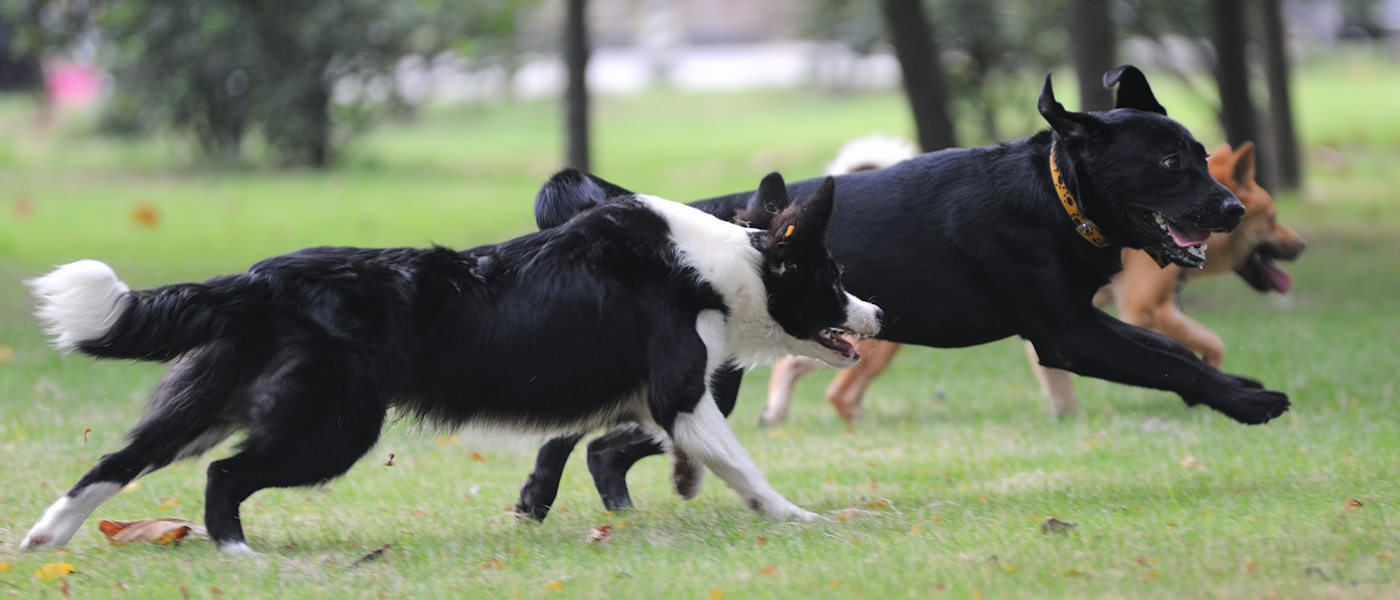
(953, 468)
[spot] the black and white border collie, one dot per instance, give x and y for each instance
(624, 314)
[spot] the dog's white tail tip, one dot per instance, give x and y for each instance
(79, 302)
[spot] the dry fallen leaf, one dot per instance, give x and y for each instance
(1053, 525)
(601, 534)
(716, 594)
(5, 567)
(54, 571)
(390, 462)
(1190, 462)
(373, 555)
(7, 355)
(85, 432)
(145, 215)
(169, 503)
(769, 570)
(554, 586)
(476, 456)
(1353, 504)
(160, 531)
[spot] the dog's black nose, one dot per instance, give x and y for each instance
(1233, 208)
(879, 314)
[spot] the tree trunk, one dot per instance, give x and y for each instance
(1231, 72)
(924, 82)
(1283, 138)
(576, 93)
(1093, 47)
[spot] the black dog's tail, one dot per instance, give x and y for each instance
(568, 193)
(84, 307)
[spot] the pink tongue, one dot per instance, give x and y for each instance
(1278, 278)
(1187, 237)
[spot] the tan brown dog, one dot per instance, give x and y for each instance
(1145, 296)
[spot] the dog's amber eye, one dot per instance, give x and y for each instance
(1172, 162)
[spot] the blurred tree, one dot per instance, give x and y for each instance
(1093, 47)
(922, 71)
(576, 90)
(221, 69)
(1283, 146)
(1228, 35)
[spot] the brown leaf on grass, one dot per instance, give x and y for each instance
(54, 571)
(7, 355)
(1191, 462)
(24, 207)
(373, 555)
(1053, 525)
(1352, 504)
(476, 456)
(159, 531)
(145, 215)
(390, 462)
(85, 432)
(601, 534)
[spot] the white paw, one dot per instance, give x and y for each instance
(237, 549)
(782, 508)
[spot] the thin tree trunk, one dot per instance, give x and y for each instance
(1231, 73)
(1093, 47)
(1283, 138)
(576, 94)
(924, 82)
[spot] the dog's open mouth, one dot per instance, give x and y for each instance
(1178, 242)
(835, 339)
(1261, 272)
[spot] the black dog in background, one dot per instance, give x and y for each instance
(968, 246)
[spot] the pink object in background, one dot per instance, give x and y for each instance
(73, 84)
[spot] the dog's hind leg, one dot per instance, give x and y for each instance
(847, 390)
(542, 486)
(187, 417)
(1056, 384)
(611, 456)
(317, 420)
(786, 371)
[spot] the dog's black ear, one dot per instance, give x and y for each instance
(770, 199)
(1133, 91)
(1071, 126)
(799, 232)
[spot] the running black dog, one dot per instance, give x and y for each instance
(623, 315)
(968, 246)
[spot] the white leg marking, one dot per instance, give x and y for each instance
(704, 435)
(237, 549)
(64, 517)
(79, 302)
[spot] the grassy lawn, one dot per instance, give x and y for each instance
(956, 461)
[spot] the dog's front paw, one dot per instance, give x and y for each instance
(782, 508)
(1254, 406)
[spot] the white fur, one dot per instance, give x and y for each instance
(726, 259)
(64, 517)
(703, 434)
(874, 151)
(79, 302)
(237, 549)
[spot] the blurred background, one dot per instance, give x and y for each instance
(211, 133)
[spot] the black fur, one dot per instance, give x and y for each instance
(967, 246)
(558, 331)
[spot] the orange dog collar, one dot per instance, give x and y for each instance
(1086, 228)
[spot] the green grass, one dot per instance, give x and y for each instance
(955, 454)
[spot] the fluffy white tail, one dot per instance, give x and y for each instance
(869, 152)
(79, 302)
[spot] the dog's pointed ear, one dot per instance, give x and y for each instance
(801, 228)
(770, 199)
(1071, 126)
(1133, 91)
(1243, 171)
